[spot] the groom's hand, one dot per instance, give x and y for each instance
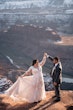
(55, 84)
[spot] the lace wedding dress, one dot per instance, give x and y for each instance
(29, 88)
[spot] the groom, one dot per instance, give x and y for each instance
(56, 75)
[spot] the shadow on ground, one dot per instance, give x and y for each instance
(26, 106)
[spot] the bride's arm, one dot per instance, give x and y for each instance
(43, 60)
(28, 72)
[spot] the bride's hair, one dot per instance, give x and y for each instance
(34, 62)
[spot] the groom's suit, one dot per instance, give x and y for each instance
(56, 75)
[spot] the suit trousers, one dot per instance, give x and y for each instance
(57, 90)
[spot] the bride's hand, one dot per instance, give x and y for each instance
(45, 55)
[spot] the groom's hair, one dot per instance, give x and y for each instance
(56, 58)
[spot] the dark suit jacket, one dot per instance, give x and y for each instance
(57, 73)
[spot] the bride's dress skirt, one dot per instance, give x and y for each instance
(28, 88)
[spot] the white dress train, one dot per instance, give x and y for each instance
(29, 88)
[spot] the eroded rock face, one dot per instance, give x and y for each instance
(14, 46)
(48, 83)
(5, 84)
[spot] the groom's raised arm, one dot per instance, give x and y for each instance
(50, 57)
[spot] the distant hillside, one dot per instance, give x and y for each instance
(14, 4)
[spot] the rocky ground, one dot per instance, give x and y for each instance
(66, 103)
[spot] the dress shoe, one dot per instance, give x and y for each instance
(57, 100)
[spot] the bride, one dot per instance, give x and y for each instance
(30, 86)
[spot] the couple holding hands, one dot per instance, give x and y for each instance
(30, 86)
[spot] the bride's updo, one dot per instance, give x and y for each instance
(34, 62)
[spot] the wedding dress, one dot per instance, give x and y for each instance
(29, 88)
